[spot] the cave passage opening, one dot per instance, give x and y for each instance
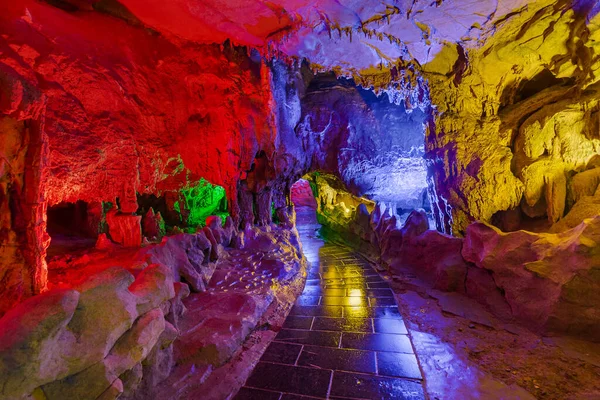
(396, 170)
(372, 141)
(72, 226)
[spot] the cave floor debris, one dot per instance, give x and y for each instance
(344, 337)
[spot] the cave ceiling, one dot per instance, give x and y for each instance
(348, 35)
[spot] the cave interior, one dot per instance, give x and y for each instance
(226, 199)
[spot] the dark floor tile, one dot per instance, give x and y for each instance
(379, 293)
(342, 324)
(396, 364)
(377, 342)
(372, 312)
(345, 301)
(297, 322)
(247, 393)
(357, 264)
(289, 379)
(378, 285)
(356, 281)
(382, 302)
(284, 353)
(374, 279)
(386, 312)
(323, 311)
(289, 396)
(308, 300)
(389, 325)
(338, 359)
(374, 387)
(352, 274)
(336, 281)
(326, 270)
(316, 338)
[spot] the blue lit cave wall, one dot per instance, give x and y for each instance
(373, 145)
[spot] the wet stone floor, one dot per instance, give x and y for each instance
(343, 339)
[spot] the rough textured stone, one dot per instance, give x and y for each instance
(153, 225)
(128, 351)
(124, 229)
(539, 273)
(153, 286)
(30, 342)
(106, 310)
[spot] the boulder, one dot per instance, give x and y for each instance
(106, 310)
(179, 252)
(113, 392)
(30, 342)
(177, 308)
(153, 286)
(539, 274)
(131, 380)
(129, 350)
(416, 224)
(230, 230)
(434, 257)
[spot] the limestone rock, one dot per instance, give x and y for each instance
(103, 242)
(113, 392)
(177, 309)
(586, 207)
(227, 318)
(124, 229)
(106, 310)
(30, 342)
(153, 225)
(184, 254)
(537, 271)
(153, 286)
(128, 351)
(131, 380)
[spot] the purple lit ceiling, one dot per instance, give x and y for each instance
(381, 31)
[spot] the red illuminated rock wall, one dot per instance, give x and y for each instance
(96, 109)
(23, 160)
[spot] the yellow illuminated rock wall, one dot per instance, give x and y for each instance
(516, 124)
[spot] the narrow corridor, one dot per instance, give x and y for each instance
(344, 338)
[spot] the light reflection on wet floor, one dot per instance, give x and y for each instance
(344, 338)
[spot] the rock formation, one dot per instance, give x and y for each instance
(171, 134)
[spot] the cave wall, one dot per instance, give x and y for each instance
(23, 162)
(131, 111)
(97, 109)
(516, 119)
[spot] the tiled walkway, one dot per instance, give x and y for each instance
(344, 338)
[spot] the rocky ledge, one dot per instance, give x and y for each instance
(167, 311)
